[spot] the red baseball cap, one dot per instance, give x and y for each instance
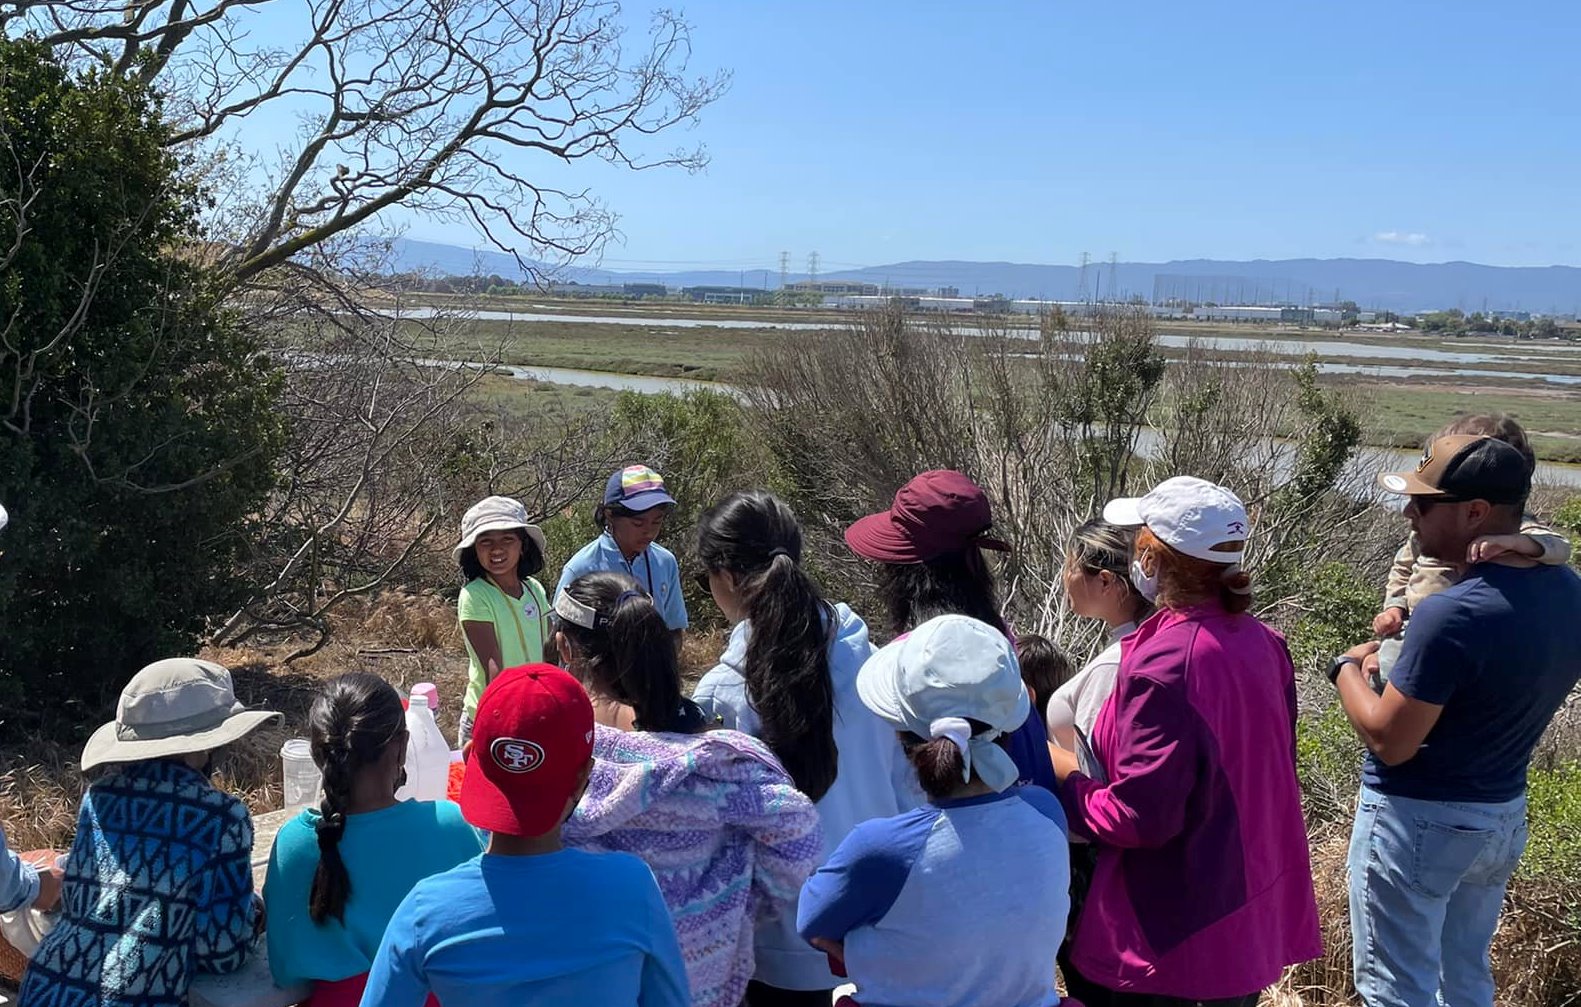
(531, 739)
(936, 513)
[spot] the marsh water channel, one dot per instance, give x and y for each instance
(1393, 361)
(1358, 479)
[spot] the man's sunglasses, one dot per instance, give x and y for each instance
(1425, 504)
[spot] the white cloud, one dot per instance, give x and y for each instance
(1402, 238)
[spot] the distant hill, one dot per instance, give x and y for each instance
(1372, 283)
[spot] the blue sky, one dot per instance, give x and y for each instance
(874, 132)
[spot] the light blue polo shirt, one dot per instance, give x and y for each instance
(656, 570)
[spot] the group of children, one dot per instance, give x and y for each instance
(925, 820)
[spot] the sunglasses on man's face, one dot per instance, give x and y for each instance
(1425, 504)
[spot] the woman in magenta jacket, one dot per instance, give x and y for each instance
(1203, 887)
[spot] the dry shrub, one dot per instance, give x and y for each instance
(1327, 980)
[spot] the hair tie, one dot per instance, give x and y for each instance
(1229, 574)
(335, 822)
(959, 732)
(779, 551)
(626, 596)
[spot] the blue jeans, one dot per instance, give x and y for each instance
(1427, 882)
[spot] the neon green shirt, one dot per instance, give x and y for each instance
(520, 624)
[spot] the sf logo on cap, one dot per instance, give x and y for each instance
(514, 755)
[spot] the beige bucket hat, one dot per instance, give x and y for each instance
(179, 706)
(497, 514)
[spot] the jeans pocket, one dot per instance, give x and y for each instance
(1443, 854)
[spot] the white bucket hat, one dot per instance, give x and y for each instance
(179, 706)
(1190, 515)
(930, 681)
(497, 514)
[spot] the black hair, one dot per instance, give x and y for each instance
(956, 583)
(530, 563)
(352, 722)
(1097, 545)
(629, 655)
(939, 763)
(603, 512)
(755, 538)
(1044, 668)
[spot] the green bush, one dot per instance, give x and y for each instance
(1554, 800)
(1568, 520)
(699, 442)
(137, 417)
(1337, 606)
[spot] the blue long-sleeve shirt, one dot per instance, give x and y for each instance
(158, 888)
(957, 904)
(18, 880)
(562, 929)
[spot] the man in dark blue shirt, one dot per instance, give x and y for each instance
(1441, 822)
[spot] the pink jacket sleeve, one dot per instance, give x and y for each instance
(1155, 754)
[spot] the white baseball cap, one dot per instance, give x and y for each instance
(946, 671)
(1193, 516)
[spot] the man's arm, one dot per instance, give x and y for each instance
(19, 880)
(1393, 725)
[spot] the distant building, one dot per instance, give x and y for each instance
(1238, 313)
(725, 295)
(834, 288)
(641, 290)
(586, 289)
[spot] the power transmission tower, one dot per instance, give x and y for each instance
(812, 268)
(1081, 278)
(784, 291)
(1114, 293)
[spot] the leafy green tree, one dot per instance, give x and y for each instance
(137, 429)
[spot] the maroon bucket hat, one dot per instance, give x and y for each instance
(935, 513)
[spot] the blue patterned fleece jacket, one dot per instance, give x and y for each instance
(158, 888)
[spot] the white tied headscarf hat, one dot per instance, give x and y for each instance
(941, 676)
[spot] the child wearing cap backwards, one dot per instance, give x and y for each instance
(630, 517)
(729, 837)
(961, 902)
(503, 611)
(159, 882)
(1414, 576)
(1203, 886)
(530, 921)
(929, 545)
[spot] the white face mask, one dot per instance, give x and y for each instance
(1146, 583)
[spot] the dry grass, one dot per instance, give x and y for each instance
(404, 639)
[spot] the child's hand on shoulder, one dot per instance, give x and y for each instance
(1503, 547)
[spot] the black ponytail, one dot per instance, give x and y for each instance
(629, 654)
(755, 538)
(352, 722)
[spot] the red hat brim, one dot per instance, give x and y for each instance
(882, 539)
(485, 806)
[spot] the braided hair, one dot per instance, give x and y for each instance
(352, 722)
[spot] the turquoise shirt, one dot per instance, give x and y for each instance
(386, 853)
(656, 570)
